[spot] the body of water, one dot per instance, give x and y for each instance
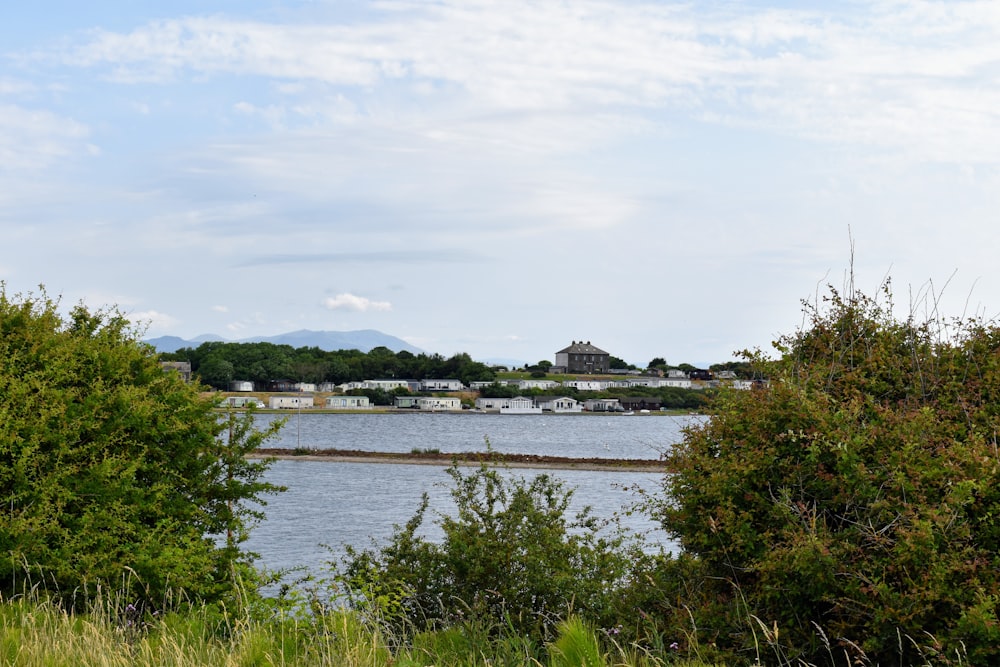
(581, 436)
(332, 504)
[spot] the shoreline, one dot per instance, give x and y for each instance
(464, 459)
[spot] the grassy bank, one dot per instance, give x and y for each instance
(34, 632)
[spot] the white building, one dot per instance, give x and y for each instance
(384, 385)
(537, 384)
(283, 401)
(659, 383)
(586, 385)
(436, 403)
(241, 385)
(348, 403)
(441, 385)
(517, 405)
(349, 386)
(558, 404)
(602, 405)
(243, 402)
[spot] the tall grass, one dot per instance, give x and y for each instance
(35, 631)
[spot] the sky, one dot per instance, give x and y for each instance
(662, 179)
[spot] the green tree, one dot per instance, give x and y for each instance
(854, 499)
(497, 390)
(511, 557)
(621, 364)
(216, 371)
(476, 372)
(376, 396)
(109, 465)
(743, 369)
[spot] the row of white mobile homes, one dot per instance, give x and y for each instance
(594, 385)
(681, 381)
(524, 405)
(384, 385)
(389, 385)
(556, 404)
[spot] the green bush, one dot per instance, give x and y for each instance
(113, 473)
(851, 505)
(510, 559)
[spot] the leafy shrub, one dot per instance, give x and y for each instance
(851, 506)
(509, 559)
(113, 471)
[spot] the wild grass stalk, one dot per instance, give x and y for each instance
(37, 631)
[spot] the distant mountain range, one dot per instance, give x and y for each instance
(363, 340)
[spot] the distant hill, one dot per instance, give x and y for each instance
(364, 340)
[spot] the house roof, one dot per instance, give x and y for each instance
(582, 348)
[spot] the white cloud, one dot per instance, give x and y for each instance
(36, 138)
(220, 309)
(153, 320)
(899, 75)
(10, 86)
(672, 142)
(362, 304)
(248, 323)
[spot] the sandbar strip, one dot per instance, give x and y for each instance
(465, 459)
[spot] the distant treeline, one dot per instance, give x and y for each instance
(217, 364)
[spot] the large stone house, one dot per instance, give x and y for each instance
(583, 358)
(183, 368)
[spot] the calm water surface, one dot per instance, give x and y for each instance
(584, 436)
(332, 504)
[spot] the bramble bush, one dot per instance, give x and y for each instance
(511, 559)
(852, 505)
(114, 473)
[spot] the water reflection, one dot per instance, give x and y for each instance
(337, 504)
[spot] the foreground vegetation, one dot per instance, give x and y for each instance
(110, 634)
(108, 462)
(844, 514)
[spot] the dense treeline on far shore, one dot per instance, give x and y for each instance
(217, 364)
